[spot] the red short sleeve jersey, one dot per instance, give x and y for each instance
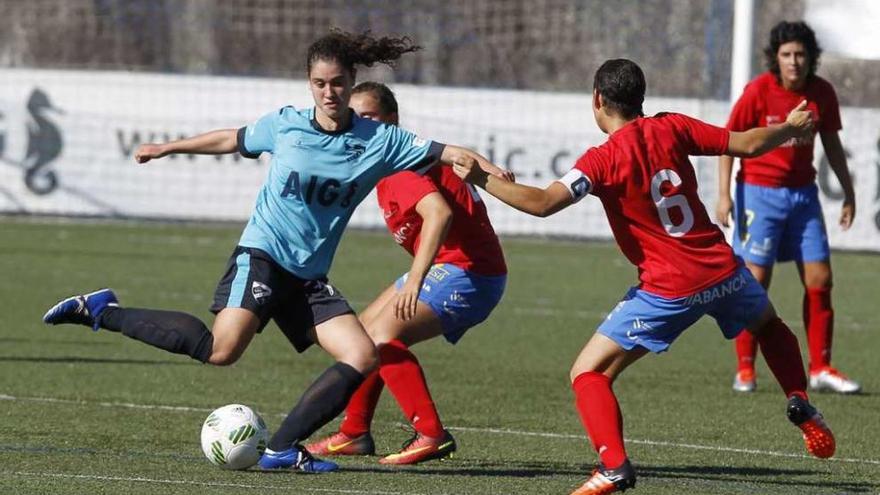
(764, 102)
(471, 242)
(648, 187)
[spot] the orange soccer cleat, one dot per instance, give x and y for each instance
(818, 438)
(608, 480)
(421, 448)
(341, 444)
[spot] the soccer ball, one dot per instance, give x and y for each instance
(234, 437)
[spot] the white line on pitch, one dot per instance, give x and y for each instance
(196, 483)
(661, 443)
(501, 431)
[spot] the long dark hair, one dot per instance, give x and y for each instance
(349, 49)
(785, 32)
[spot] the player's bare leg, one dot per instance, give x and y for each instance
(746, 346)
(819, 325)
(233, 330)
(400, 370)
(172, 331)
(345, 339)
(592, 375)
(353, 436)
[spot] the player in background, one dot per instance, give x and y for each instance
(456, 279)
(325, 160)
(778, 216)
(647, 185)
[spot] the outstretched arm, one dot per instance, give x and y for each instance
(757, 141)
(837, 161)
(452, 154)
(211, 143)
(436, 218)
(528, 199)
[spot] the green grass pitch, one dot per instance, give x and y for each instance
(84, 412)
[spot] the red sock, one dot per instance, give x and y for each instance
(403, 374)
(746, 348)
(783, 356)
(819, 323)
(362, 405)
(601, 417)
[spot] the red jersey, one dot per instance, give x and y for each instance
(764, 102)
(648, 187)
(471, 243)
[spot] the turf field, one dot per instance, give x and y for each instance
(84, 412)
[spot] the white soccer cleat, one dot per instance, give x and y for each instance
(830, 380)
(744, 381)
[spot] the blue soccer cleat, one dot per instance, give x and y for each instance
(297, 458)
(83, 309)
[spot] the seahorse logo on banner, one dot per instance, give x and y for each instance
(33, 143)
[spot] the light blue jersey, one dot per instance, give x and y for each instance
(317, 178)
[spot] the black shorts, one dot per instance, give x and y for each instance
(254, 281)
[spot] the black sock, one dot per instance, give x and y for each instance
(172, 331)
(321, 402)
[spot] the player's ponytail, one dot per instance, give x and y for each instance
(358, 49)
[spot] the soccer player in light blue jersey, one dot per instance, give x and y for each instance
(325, 160)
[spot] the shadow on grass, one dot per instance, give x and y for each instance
(718, 474)
(77, 359)
(756, 475)
(471, 469)
(49, 342)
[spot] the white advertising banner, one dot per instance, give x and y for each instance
(67, 138)
(846, 28)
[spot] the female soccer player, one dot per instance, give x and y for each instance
(456, 279)
(648, 188)
(778, 215)
(325, 160)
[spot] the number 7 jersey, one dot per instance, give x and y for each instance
(647, 185)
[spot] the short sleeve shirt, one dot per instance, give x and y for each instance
(471, 242)
(317, 178)
(648, 188)
(765, 102)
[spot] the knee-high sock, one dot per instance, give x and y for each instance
(325, 398)
(819, 323)
(362, 405)
(173, 331)
(783, 356)
(600, 414)
(403, 375)
(746, 349)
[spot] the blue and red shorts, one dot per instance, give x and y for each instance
(460, 299)
(653, 322)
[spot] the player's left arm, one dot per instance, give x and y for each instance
(436, 218)
(532, 200)
(837, 160)
(451, 154)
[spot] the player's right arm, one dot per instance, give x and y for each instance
(436, 219)
(528, 199)
(755, 142)
(724, 208)
(744, 115)
(211, 143)
(759, 140)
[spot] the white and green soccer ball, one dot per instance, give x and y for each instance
(234, 437)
